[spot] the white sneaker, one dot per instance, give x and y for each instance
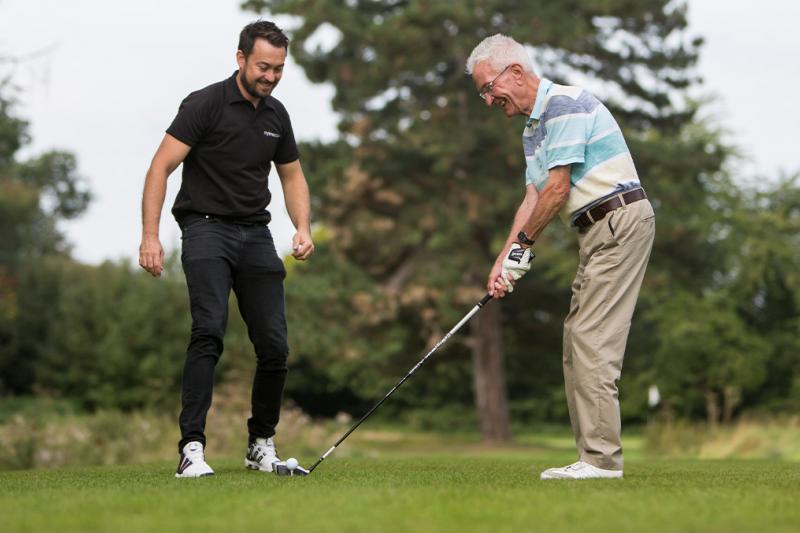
(193, 462)
(261, 455)
(580, 470)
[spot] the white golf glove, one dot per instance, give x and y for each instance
(516, 264)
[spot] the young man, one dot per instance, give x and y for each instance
(227, 135)
(577, 164)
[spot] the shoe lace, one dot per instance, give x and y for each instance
(262, 450)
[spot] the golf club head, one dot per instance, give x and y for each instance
(282, 470)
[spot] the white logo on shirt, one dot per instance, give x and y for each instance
(270, 134)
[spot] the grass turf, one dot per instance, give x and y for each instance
(489, 491)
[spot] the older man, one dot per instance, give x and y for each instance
(578, 165)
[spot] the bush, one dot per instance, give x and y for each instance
(773, 438)
(52, 439)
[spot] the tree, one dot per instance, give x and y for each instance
(104, 336)
(34, 196)
(734, 344)
(419, 190)
(762, 286)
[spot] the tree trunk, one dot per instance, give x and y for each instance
(712, 409)
(732, 397)
(489, 375)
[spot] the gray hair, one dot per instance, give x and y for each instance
(501, 51)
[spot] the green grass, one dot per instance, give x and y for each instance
(462, 490)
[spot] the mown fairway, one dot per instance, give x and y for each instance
(490, 491)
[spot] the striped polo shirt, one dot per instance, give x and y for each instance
(569, 126)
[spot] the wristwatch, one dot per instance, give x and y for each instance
(522, 238)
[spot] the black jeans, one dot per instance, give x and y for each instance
(218, 256)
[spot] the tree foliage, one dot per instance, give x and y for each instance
(734, 343)
(34, 195)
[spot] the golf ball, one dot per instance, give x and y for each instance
(291, 463)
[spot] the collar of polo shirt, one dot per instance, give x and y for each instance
(541, 94)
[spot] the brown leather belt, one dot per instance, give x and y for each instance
(615, 202)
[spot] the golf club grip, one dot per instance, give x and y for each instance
(466, 318)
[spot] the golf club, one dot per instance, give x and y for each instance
(303, 472)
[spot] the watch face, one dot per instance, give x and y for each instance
(523, 238)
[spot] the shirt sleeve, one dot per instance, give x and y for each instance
(286, 151)
(193, 119)
(567, 135)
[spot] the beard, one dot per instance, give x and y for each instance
(254, 88)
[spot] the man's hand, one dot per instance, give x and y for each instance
(151, 255)
(171, 152)
(494, 286)
(507, 269)
(302, 245)
(515, 265)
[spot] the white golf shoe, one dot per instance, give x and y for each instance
(193, 462)
(580, 470)
(261, 455)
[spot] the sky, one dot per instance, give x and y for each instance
(103, 79)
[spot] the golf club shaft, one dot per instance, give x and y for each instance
(410, 372)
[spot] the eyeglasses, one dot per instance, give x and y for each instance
(486, 89)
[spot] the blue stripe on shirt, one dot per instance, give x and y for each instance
(602, 150)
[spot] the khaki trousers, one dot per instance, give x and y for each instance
(613, 257)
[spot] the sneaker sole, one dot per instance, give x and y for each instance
(182, 476)
(546, 477)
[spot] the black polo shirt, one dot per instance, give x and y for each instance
(233, 143)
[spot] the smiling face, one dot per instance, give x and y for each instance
(507, 88)
(260, 72)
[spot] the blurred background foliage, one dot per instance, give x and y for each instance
(411, 203)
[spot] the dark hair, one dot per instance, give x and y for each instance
(261, 29)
